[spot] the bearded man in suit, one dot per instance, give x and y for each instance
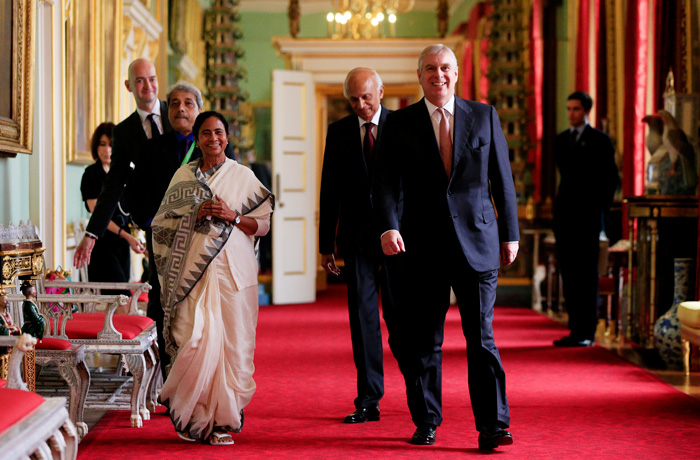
(346, 205)
(442, 166)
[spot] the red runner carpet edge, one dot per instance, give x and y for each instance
(583, 403)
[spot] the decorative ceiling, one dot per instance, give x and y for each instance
(316, 6)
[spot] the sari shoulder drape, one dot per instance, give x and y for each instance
(180, 258)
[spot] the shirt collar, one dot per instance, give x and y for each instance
(580, 128)
(450, 106)
(374, 120)
(179, 137)
(143, 114)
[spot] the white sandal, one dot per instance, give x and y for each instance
(185, 437)
(217, 438)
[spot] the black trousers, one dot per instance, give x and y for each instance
(577, 258)
(155, 310)
(423, 306)
(366, 280)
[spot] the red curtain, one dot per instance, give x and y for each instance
(535, 98)
(636, 34)
(583, 40)
(470, 31)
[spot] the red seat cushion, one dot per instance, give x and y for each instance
(606, 284)
(87, 325)
(16, 404)
(52, 344)
(3, 383)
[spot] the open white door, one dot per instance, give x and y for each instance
(293, 171)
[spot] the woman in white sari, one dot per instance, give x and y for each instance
(204, 239)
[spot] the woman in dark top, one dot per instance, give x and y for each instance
(110, 260)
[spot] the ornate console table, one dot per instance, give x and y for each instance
(24, 259)
(660, 229)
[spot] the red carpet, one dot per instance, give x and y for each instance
(565, 404)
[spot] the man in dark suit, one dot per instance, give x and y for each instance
(346, 204)
(449, 158)
(585, 157)
(148, 120)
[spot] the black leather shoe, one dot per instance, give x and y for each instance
(569, 341)
(424, 435)
(491, 440)
(363, 414)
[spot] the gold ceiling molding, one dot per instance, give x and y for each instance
(16, 126)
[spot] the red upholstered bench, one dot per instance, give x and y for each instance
(131, 336)
(16, 404)
(34, 427)
(69, 358)
(88, 325)
(31, 426)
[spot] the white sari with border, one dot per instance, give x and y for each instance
(208, 273)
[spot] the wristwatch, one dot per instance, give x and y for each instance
(237, 220)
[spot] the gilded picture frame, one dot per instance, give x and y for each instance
(16, 76)
(84, 79)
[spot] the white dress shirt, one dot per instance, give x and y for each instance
(436, 117)
(374, 120)
(156, 117)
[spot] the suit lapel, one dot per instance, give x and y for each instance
(463, 123)
(354, 143)
(136, 127)
(424, 130)
(167, 127)
(170, 150)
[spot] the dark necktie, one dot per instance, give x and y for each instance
(445, 142)
(155, 132)
(368, 145)
(574, 136)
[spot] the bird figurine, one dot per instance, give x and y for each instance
(672, 155)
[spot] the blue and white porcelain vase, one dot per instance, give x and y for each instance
(667, 329)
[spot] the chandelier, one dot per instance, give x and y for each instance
(358, 19)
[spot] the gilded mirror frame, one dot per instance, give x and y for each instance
(16, 130)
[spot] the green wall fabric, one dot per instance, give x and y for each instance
(14, 189)
(75, 209)
(261, 58)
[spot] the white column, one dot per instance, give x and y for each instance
(47, 164)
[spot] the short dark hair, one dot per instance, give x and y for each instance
(585, 98)
(202, 117)
(103, 129)
(26, 286)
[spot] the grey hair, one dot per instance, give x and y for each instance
(375, 76)
(186, 87)
(435, 49)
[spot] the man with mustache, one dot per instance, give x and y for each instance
(442, 173)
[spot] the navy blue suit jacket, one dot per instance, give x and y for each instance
(409, 161)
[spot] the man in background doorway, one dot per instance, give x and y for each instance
(346, 205)
(585, 157)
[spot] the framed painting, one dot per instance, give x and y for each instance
(16, 76)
